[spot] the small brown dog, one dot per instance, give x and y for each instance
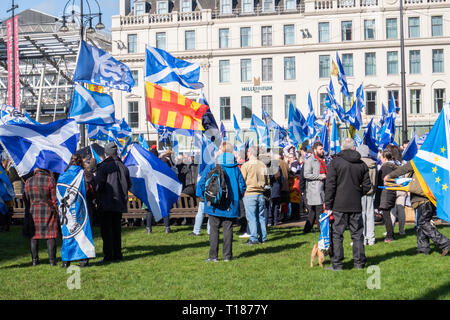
(317, 253)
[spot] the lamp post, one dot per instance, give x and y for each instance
(85, 19)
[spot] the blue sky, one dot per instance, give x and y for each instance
(55, 7)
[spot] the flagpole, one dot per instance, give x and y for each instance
(403, 77)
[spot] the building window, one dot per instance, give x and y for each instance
(268, 5)
(438, 60)
(245, 37)
(223, 38)
(133, 114)
(395, 94)
(189, 40)
(370, 62)
(415, 100)
(391, 28)
(371, 102)
(139, 9)
(289, 34)
(288, 99)
(289, 68)
(161, 40)
(324, 32)
(225, 109)
(266, 36)
(246, 70)
(135, 75)
(290, 5)
(436, 26)
(267, 69)
(346, 28)
(413, 27)
(392, 62)
(323, 106)
(246, 107)
(266, 102)
(414, 61)
(162, 7)
(224, 71)
(186, 5)
(439, 100)
(347, 64)
(369, 29)
(247, 6)
(132, 43)
(324, 66)
(226, 6)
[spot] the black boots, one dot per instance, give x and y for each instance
(51, 246)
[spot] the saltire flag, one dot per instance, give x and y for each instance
(330, 88)
(354, 117)
(91, 107)
(341, 77)
(411, 149)
(331, 103)
(432, 164)
(324, 237)
(370, 140)
(223, 132)
(46, 146)
(237, 129)
(164, 135)
(6, 191)
(324, 138)
(143, 142)
(384, 115)
(162, 67)
(261, 129)
(392, 107)
(112, 132)
(171, 109)
(335, 146)
(387, 132)
(175, 144)
(311, 119)
(358, 140)
(96, 66)
(9, 114)
(153, 182)
(297, 126)
(74, 216)
(208, 152)
(95, 155)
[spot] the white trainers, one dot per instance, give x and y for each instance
(245, 235)
(385, 234)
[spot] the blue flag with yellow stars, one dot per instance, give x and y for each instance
(432, 164)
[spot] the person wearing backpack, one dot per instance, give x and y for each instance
(368, 213)
(222, 186)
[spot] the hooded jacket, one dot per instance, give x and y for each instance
(347, 181)
(385, 199)
(235, 182)
(371, 164)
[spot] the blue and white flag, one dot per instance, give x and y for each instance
(262, 132)
(324, 138)
(298, 128)
(237, 129)
(353, 116)
(6, 190)
(9, 114)
(324, 237)
(162, 67)
(96, 66)
(143, 142)
(411, 149)
(112, 132)
(92, 107)
(223, 131)
(387, 132)
(384, 115)
(341, 77)
(95, 155)
(208, 151)
(370, 140)
(46, 146)
(335, 145)
(393, 109)
(311, 119)
(74, 216)
(175, 144)
(153, 182)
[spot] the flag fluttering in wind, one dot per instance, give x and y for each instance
(298, 128)
(432, 164)
(261, 129)
(46, 146)
(153, 182)
(311, 119)
(9, 114)
(370, 140)
(91, 107)
(335, 146)
(96, 66)
(162, 67)
(411, 149)
(143, 142)
(341, 77)
(237, 129)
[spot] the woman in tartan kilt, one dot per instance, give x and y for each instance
(42, 213)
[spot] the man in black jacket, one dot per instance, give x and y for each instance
(112, 184)
(347, 181)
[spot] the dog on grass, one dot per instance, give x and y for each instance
(316, 252)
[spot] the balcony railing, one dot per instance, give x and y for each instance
(258, 11)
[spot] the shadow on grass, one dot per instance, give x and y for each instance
(266, 250)
(437, 293)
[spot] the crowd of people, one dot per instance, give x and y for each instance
(255, 188)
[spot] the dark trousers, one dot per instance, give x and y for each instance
(313, 215)
(227, 224)
(150, 218)
(51, 247)
(355, 223)
(388, 224)
(5, 221)
(242, 220)
(111, 229)
(274, 211)
(295, 211)
(426, 231)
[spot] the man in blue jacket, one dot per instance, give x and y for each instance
(219, 216)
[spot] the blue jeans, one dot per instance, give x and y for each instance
(254, 211)
(199, 218)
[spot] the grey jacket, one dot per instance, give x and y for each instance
(315, 193)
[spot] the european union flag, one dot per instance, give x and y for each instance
(432, 164)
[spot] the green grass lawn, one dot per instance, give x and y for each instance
(171, 267)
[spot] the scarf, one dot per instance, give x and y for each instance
(323, 166)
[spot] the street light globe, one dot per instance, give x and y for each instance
(64, 28)
(100, 26)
